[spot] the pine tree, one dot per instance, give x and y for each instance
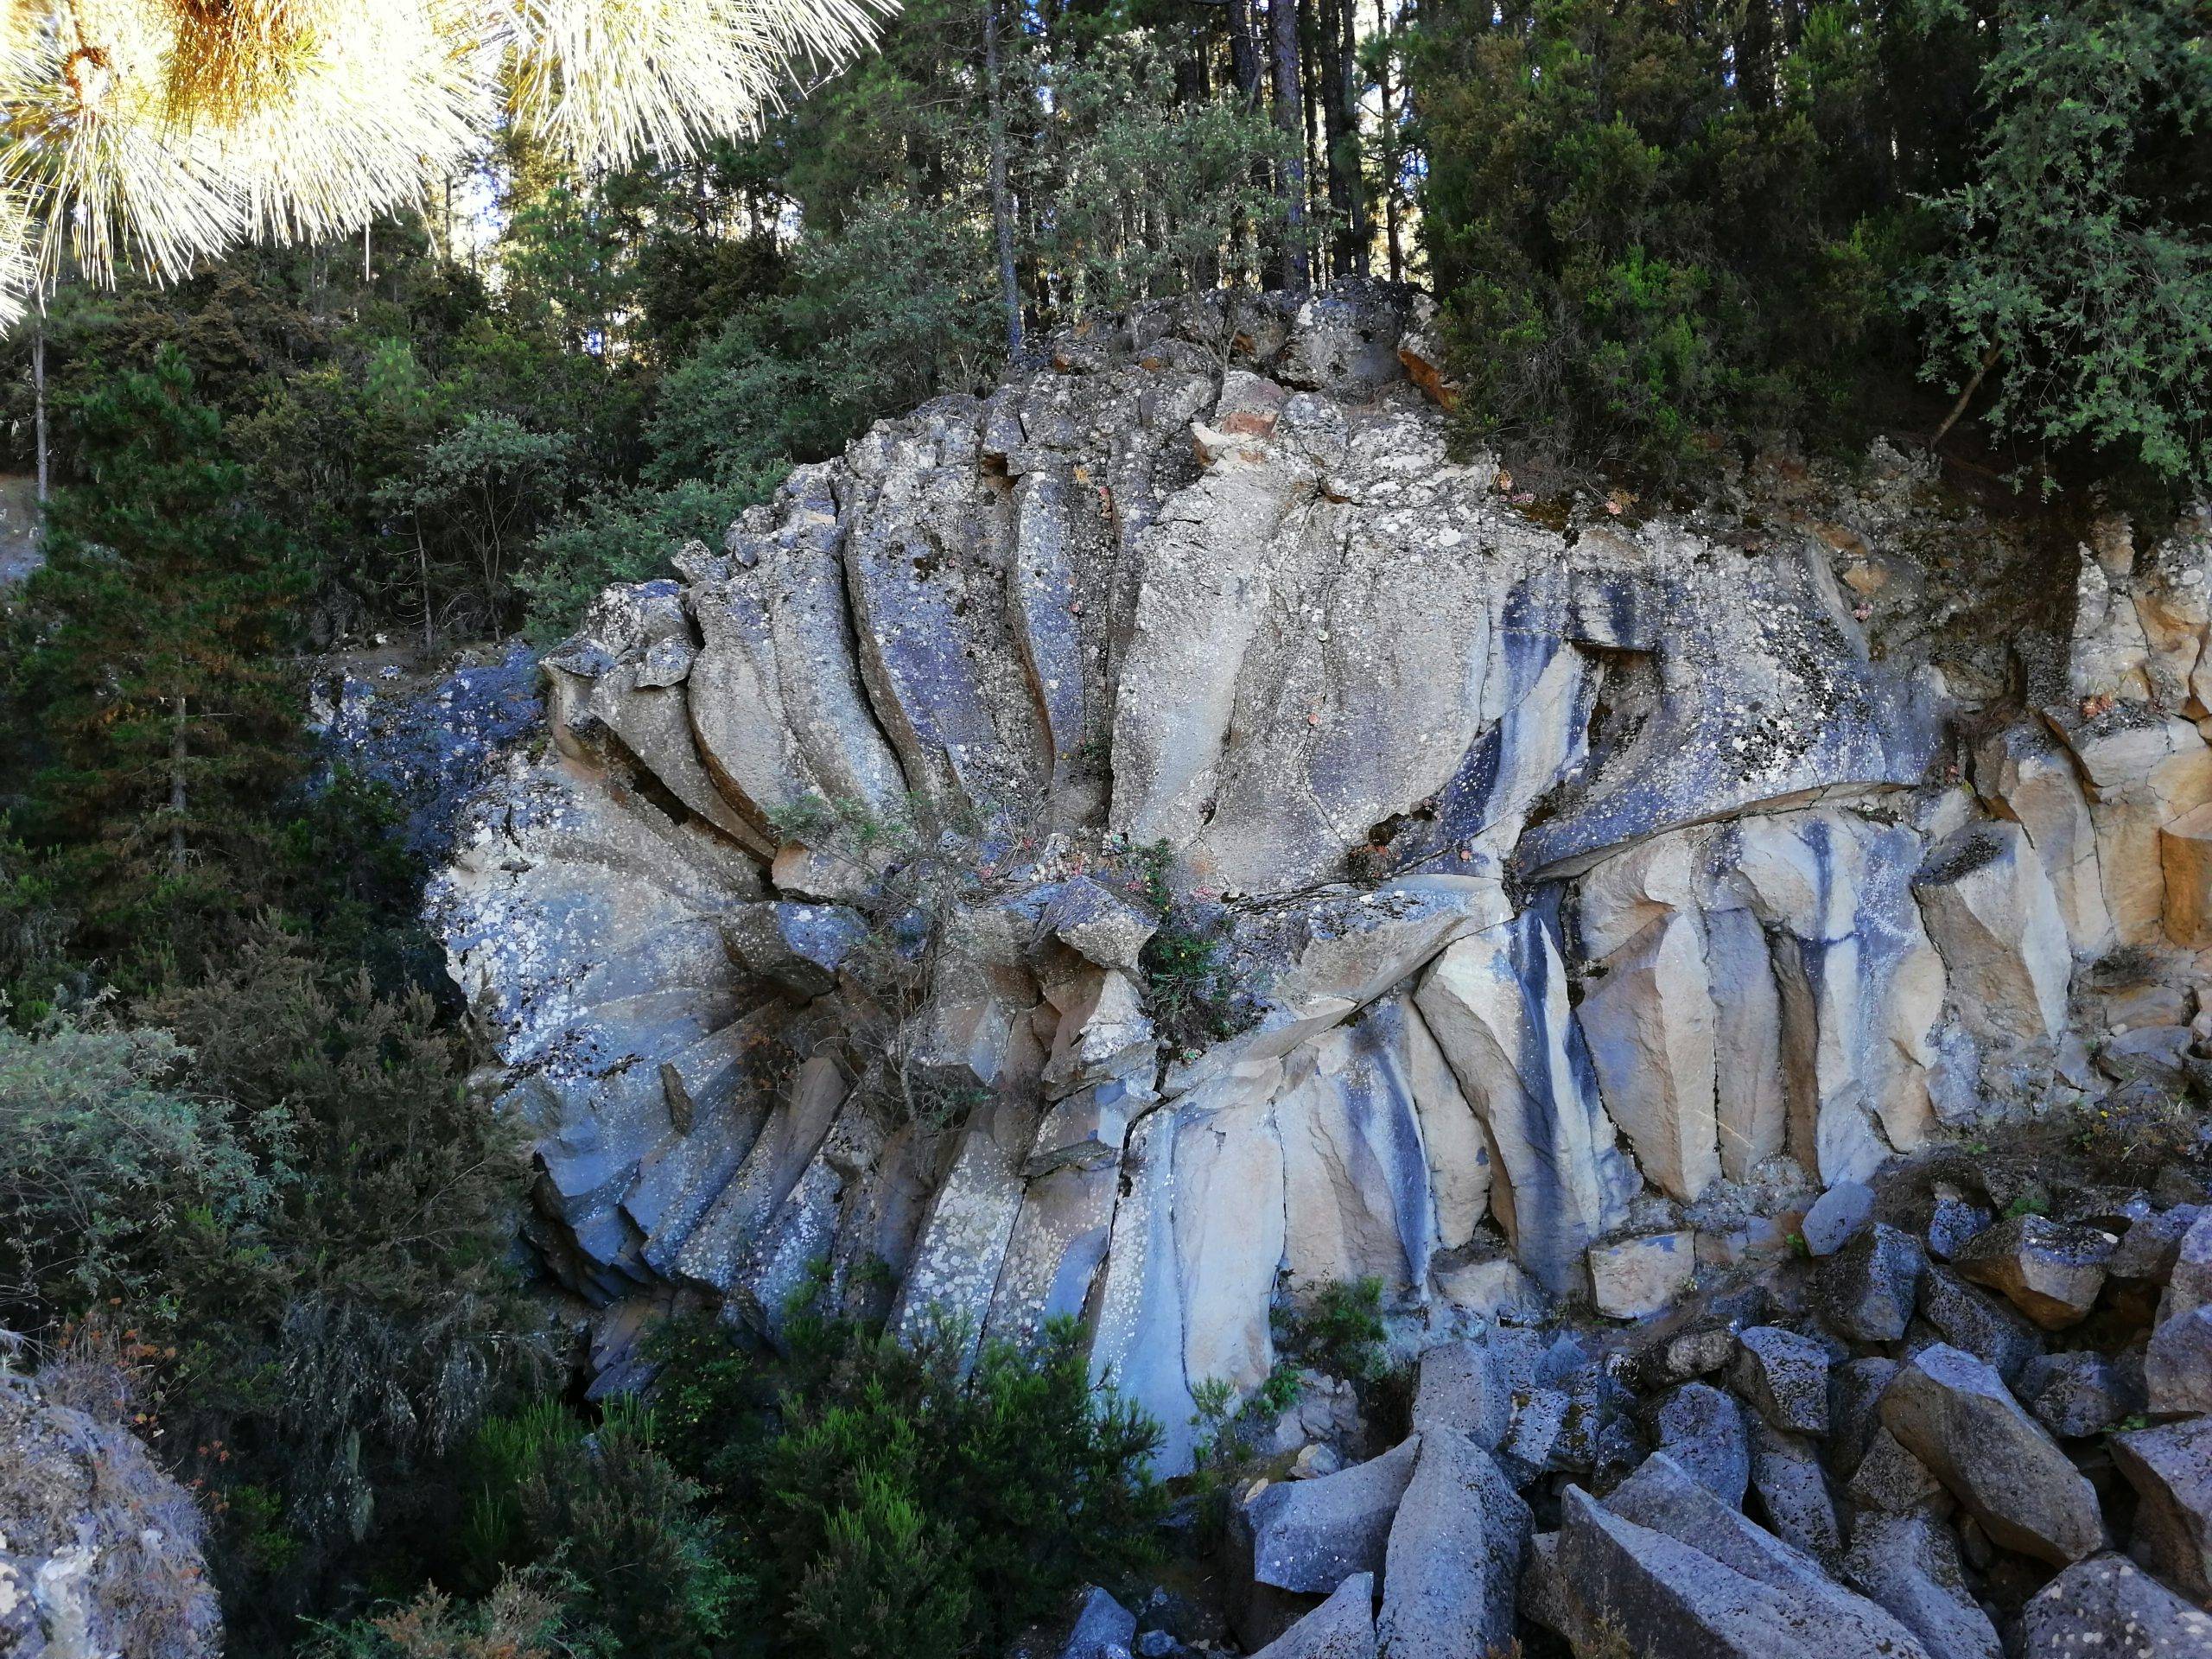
(151, 689)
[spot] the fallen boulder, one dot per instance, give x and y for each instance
(1785, 1377)
(1867, 1290)
(2108, 1607)
(1954, 1412)
(1909, 1564)
(1454, 1557)
(2171, 1469)
(1343, 1627)
(1675, 1571)
(2049, 1270)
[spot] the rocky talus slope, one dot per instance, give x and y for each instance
(1945, 1433)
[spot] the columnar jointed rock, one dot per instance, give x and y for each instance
(1953, 1413)
(1533, 865)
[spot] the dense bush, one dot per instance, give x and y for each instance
(2080, 284)
(1660, 232)
(887, 1501)
(1655, 230)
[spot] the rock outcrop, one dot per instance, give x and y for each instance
(1173, 830)
(99, 1548)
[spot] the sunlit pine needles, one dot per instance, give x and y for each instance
(148, 134)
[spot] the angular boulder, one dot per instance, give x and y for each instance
(2109, 1607)
(2171, 1469)
(1867, 1290)
(1785, 1377)
(1954, 1412)
(1461, 1390)
(1343, 1627)
(1909, 1564)
(2080, 1393)
(2049, 1270)
(1311, 1536)
(1634, 1278)
(1674, 1571)
(1454, 1557)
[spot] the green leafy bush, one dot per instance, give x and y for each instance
(647, 1565)
(886, 1501)
(112, 1175)
(2079, 283)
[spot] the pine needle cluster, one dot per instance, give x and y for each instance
(148, 134)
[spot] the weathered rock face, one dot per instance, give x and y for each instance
(1567, 877)
(99, 1549)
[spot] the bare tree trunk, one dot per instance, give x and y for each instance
(1290, 183)
(1361, 229)
(1339, 136)
(1002, 204)
(177, 753)
(1755, 54)
(38, 395)
(1965, 396)
(1389, 158)
(1243, 52)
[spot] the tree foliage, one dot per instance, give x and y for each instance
(2081, 275)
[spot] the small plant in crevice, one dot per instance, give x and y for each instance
(1231, 1450)
(1338, 1329)
(1191, 991)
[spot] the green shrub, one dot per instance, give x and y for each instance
(1339, 1329)
(887, 1502)
(646, 1564)
(113, 1178)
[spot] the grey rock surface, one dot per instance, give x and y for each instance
(99, 1548)
(1954, 1412)
(1454, 1557)
(1557, 885)
(2108, 1607)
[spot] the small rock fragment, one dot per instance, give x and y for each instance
(1634, 1278)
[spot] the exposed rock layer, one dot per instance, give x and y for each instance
(1582, 881)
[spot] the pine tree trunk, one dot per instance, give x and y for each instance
(1340, 138)
(177, 750)
(38, 394)
(1290, 182)
(1001, 201)
(1389, 159)
(1244, 51)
